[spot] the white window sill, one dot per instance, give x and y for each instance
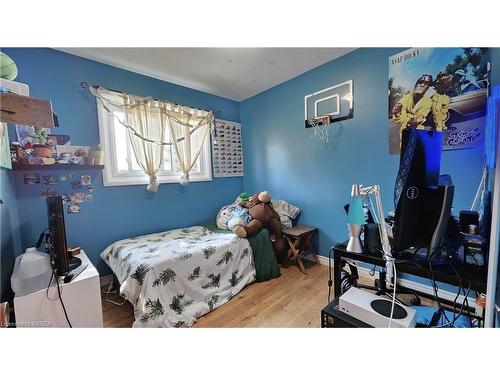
(125, 181)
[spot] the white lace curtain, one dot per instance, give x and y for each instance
(152, 124)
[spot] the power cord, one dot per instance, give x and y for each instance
(451, 324)
(330, 282)
(40, 238)
(53, 276)
(60, 299)
(111, 291)
(391, 260)
(465, 302)
(113, 302)
(435, 290)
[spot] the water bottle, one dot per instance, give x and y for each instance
(31, 273)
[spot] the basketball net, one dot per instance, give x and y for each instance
(320, 128)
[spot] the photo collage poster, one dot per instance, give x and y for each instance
(442, 89)
(227, 149)
(4, 147)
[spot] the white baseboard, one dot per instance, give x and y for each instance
(364, 272)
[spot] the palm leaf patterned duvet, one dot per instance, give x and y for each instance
(176, 276)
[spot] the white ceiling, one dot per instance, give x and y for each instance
(234, 73)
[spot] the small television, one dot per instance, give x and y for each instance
(60, 260)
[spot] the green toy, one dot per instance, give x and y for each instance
(8, 68)
(245, 197)
(39, 134)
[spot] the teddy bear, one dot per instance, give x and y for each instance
(262, 216)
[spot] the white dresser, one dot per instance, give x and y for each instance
(81, 297)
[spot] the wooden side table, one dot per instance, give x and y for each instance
(299, 239)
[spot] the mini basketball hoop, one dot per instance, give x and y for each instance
(329, 105)
(320, 128)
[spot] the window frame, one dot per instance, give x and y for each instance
(112, 177)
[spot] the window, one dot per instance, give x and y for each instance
(121, 165)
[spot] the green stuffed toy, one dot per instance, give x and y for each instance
(244, 197)
(8, 68)
(38, 133)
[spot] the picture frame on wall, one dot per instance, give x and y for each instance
(71, 154)
(227, 149)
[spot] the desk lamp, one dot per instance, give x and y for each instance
(357, 194)
(355, 219)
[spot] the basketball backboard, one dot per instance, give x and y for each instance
(336, 102)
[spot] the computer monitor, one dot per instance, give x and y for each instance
(418, 201)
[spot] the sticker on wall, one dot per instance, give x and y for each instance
(72, 175)
(88, 198)
(31, 179)
(79, 197)
(86, 180)
(63, 178)
(50, 180)
(90, 189)
(76, 185)
(73, 208)
(227, 153)
(44, 193)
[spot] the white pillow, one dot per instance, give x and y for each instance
(283, 208)
(224, 215)
(285, 221)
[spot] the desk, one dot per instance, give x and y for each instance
(443, 274)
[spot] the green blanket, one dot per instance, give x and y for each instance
(266, 265)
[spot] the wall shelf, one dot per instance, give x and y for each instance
(26, 110)
(53, 167)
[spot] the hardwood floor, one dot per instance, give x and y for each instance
(291, 300)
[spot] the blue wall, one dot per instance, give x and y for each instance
(10, 240)
(318, 177)
(116, 212)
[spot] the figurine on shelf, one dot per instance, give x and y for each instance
(38, 134)
(98, 154)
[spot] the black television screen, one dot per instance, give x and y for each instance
(57, 236)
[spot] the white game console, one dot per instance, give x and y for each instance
(375, 310)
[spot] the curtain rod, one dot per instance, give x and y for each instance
(85, 85)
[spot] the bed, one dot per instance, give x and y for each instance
(173, 277)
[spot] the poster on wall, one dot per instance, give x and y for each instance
(227, 151)
(4, 147)
(443, 89)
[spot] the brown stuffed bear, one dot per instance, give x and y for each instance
(263, 216)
